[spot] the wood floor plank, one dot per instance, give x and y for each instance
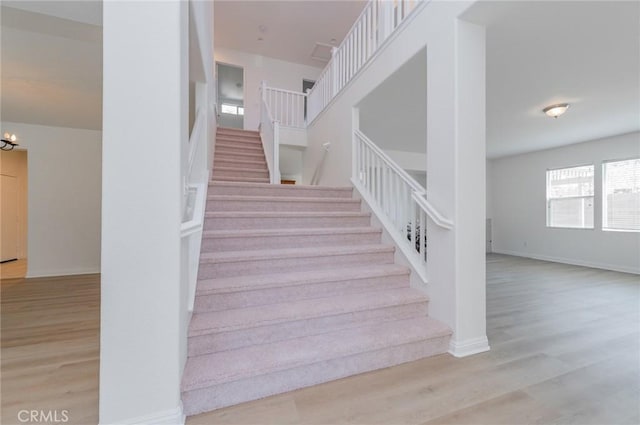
(552, 328)
(50, 347)
(565, 350)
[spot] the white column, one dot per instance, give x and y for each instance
(144, 124)
(456, 162)
(470, 333)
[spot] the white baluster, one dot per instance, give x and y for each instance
(423, 235)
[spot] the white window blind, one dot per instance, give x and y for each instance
(570, 197)
(621, 195)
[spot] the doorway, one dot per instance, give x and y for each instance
(230, 95)
(306, 85)
(13, 213)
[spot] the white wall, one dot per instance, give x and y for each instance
(64, 194)
(291, 163)
(277, 73)
(392, 115)
(145, 128)
(410, 161)
(519, 207)
(455, 156)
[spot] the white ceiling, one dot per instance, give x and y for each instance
(586, 53)
(290, 29)
(51, 67)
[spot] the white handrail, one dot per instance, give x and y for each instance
(396, 198)
(377, 21)
(194, 140)
(270, 136)
(195, 193)
(317, 174)
(417, 187)
(285, 106)
(433, 214)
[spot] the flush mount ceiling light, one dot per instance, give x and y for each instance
(556, 110)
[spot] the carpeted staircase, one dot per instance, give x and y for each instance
(295, 288)
(239, 157)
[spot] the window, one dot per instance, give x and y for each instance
(621, 195)
(232, 109)
(570, 197)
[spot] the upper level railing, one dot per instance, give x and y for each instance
(378, 20)
(398, 200)
(285, 106)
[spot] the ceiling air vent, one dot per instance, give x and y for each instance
(321, 52)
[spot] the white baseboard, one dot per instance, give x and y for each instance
(61, 272)
(468, 347)
(173, 416)
(570, 261)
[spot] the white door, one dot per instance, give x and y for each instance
(8, 218)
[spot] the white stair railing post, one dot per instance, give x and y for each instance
(275, 176)
(398, 201)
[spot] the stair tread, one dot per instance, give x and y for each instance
(239, 161)
(221, 129)
(311, 231)
(290, 214)
(284, 186)
(222, 151)
(227, 366)
(271, 314)
(242, 169)
(274, 280)
(240, 179)
(275, 198)
(266, 254)
(257, 150)
(230, 140)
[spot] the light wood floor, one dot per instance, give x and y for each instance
(565, 350)
(50, 347)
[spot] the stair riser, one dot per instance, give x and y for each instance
(256, 297)
(239, 160)
(279, 265)
(239, 150)
(216, 244)
(240, 173)
(267, 205)
(243, 147)
(229, 138)
(226, 223)
(262, 180)
(227, 394)
(252, 137)
(279, 190)
(262, 166)
(205, 344)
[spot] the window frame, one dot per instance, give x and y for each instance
(604, 195)
(222, 105)
(548, 199)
